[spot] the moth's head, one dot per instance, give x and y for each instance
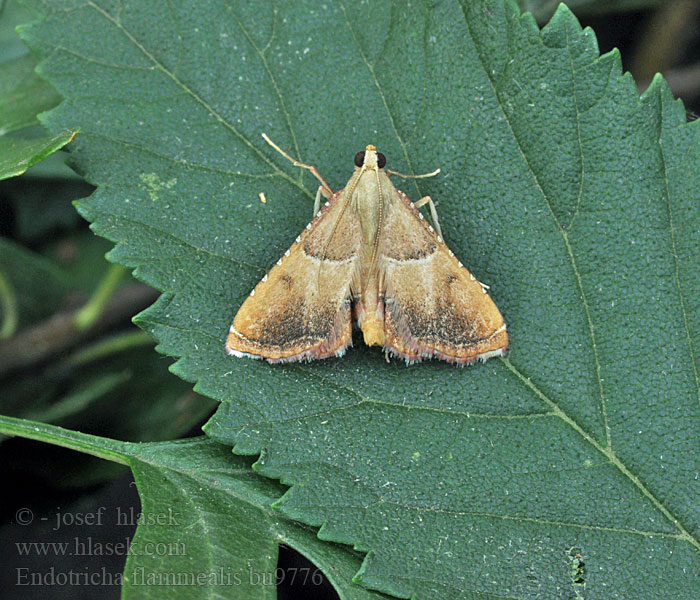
(370, 159)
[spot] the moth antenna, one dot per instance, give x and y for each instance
(423, 176)
(296, 163)
(380, 221)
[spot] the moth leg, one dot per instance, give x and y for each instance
(328, 192)
(321, 191)
(433, 213)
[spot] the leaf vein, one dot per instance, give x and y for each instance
(536, 520)
(208, 107)
(178, 161)
(608, 453)
(266, 65)
(560, 227)
(676, 261)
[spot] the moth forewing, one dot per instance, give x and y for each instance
(368, 254)
(288, 316)
(433, 306)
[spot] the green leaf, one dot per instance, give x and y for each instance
(22, 96)
(209, 514)
(17, 154)
(576, 200)
(22, 93)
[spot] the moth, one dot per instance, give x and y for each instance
(370, 257)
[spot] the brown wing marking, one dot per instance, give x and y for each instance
(433, 306)
(295, 312)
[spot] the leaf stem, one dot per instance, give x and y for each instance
(59, 333)
(111, 345)
(91, 312)
(74, 440)
(8, 305)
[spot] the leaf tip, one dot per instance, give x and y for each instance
(564, 14)
(564, 20)
(659, 88)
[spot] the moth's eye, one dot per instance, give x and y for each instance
(360, 159)
(381, 160)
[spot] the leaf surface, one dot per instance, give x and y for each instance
(576, 200)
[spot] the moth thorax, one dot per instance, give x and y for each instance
(370, 157)
(368, 202)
